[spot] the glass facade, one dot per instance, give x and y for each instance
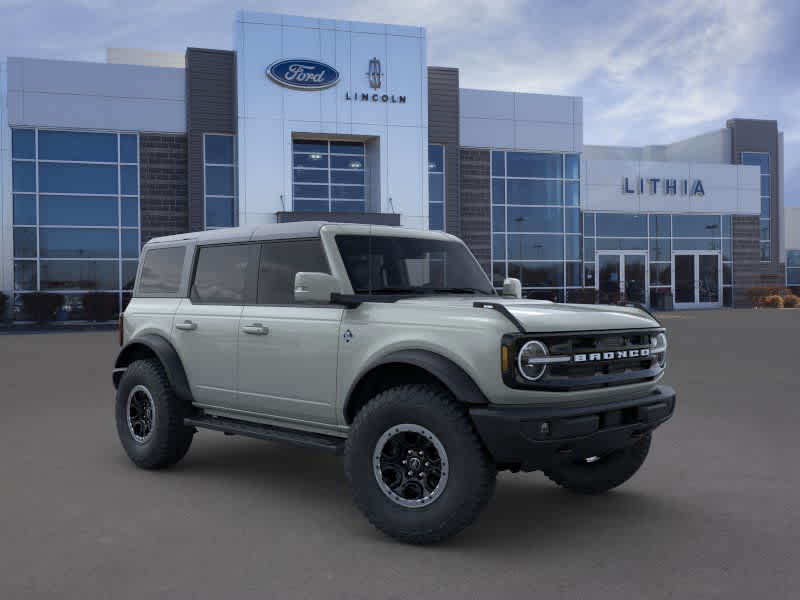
(536, 235)
(761, 160)
(793, 268)
(328, 176)
(219, 168)
(658, 235)
(436, 186)
(76, 214)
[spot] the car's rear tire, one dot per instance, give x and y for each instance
(150, 417)
(423, 426)
(600, 474)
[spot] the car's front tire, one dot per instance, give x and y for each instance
(150, 417)
(416, 466)
(599, 474)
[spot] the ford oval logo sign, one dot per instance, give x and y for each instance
(303, 74)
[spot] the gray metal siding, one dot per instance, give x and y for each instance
(443, 128)
(210, 108)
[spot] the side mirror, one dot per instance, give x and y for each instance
(512, 288)
(315, 288)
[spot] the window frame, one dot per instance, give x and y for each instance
(206, 195)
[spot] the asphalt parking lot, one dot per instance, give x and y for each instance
(714, 513)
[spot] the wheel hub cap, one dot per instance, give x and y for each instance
(141, 413)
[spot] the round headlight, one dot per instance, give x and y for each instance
(530, 360)
(658, 347)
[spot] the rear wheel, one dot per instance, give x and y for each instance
(150, 417)
(417, 469)
(599, 474)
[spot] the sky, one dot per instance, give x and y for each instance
(649, 72)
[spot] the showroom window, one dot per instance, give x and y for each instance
(793, 268)
(436, 187)
(659, 235)
(536, 221)
(76, 215)
(328, 176)
(761, 160)
(219, 160)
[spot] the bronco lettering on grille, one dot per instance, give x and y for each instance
(615, 355)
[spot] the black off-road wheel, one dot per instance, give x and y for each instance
(150, 417)
(416, 466)
(599, 474)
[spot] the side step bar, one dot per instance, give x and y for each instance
(268, 432)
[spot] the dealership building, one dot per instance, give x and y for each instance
(310, 119)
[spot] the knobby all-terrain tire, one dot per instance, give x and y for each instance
(607, 472)
(471, 476)
(170, 438)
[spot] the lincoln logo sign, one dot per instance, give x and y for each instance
(667, 186)
(302, 74)
(616, 355)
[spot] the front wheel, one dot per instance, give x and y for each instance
(599, 474)
(417, 469)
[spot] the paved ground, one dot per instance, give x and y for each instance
(715, 513)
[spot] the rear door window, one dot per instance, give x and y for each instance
(222, 274)
(161, 271)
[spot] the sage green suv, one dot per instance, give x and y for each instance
(391, 347)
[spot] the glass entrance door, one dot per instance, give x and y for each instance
(697, 279)
(622, 276)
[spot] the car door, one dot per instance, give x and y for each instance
(287, 351)
(206, 325)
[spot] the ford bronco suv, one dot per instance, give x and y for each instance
(391, 347)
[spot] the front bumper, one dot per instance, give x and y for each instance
(531, 438)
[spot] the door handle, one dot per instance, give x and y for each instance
(186, 325)
(255, 329)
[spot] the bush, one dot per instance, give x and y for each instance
(790, 301)
(98, 306)
(41, 306)
(773, 301)
(758, 295)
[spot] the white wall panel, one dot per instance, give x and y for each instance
(486, 133)
(6, 204)
(540, 135)
(486, 104)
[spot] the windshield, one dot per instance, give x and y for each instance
(398, 265)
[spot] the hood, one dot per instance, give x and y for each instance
(543, 316)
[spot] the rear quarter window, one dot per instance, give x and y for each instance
(161, 271)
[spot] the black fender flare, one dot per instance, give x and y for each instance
(166, 354)
(453, 377)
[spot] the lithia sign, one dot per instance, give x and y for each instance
(667, 186)
(306, 74)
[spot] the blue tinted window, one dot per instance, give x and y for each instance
(498, 218)
(499, 246)
(660, 226)
(436, 187)
(765, 185)
(573, 166)
(537, 220)
(764, 229)
(128, 149)
(129, 183)
(621, 244)
(24, 242)
(588, 249)
(129, 268)
(311, 205)
(541, 274)
(347, 148)
(130, 243)
(345, 162)
(219, 212)
(766, 251)
(77, 210)
(436, 217)
(78, 179)
(23, 176)
(727, 225)
(313, 161)
(23, 143)
(435, 158)
(759, 159)
(526, 191)
(72, 145)
(78, 243)
(25, 275)
(572, 190)
(621, 225)
(312, 175)
(219, 149)
(572, 220)
(347, 192)
(219, 181)
(793, 258)
(765, 207)
(356, 177)
(573, 274)
(572, 246)
(696, 225)
(130, 212)
(80, 275)
(348, 206)
(588, 224)
(310, 146)
(535, 247)
(24, 209)
(695, 244)
(660, 249)
(793, 277)
(727, 249)
(529, 164)
(498, 191)
(498, 163)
